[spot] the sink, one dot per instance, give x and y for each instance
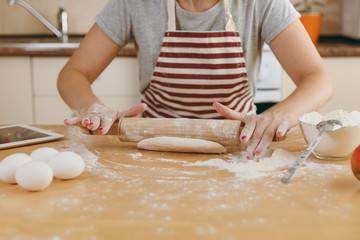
(33, 43)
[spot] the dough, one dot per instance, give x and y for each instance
(67, 165)
(10, 164)
(177, 144)
(43, 154)
(34, 176)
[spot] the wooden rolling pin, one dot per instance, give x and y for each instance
(225, 132)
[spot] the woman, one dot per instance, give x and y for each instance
(199, 59)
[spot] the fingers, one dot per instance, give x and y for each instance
(94, 123)
(106, 122)
(259, 130)
(111, 116)
(274, 128)
(266, 127)
(258, 126)
(248, 130)
(227, 112)
(76, 121)
(133, 112)
(101, 118)
(264, 138)
(282, 129)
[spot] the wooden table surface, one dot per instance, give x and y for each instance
(125, 193)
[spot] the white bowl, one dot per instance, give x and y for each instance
(335, 145)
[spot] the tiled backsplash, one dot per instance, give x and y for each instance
(17, 21)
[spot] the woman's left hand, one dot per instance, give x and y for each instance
(259, 130)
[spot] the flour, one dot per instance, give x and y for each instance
(182, 170)
(346, 118)
(279, 160)
(337, 145)
(136, 155)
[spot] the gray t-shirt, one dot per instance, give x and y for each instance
(145, 22)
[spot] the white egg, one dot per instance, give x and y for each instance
(43, 154)
(67, 165)
(10, 164)
(34, 176)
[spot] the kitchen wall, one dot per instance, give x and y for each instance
(332, 16)
(17, 21)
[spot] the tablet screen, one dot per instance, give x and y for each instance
(19, 135)
(15, 134)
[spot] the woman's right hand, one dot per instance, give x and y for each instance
(100, 117)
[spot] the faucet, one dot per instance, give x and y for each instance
(62, 33)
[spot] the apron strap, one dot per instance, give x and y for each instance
(171, 15)
(230, 25)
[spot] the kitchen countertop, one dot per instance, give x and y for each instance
(127, 193)
(338, 47)
(47, 46)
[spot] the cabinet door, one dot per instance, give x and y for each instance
(49, 107)
(117, 87)
(346, 74)
(15, 90)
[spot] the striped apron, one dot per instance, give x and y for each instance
(195, 69)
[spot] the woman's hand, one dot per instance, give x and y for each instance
(100, 117)
(259, 130)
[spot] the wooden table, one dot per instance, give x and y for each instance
(125, 193)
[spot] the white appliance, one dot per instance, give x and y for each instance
(351, 19)
(269, 78)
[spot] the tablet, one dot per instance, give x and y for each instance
(22, 134)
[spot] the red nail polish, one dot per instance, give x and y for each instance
(243, 137)
(100, 129)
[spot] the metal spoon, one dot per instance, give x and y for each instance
(323, 126)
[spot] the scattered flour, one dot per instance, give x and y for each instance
(279, 160)
(177, 169)
(346, 118)
(136, 155)
(176, 182)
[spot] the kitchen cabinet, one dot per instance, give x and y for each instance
(346, 75)
(16, 105)
(29, 94)
(117, 87)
